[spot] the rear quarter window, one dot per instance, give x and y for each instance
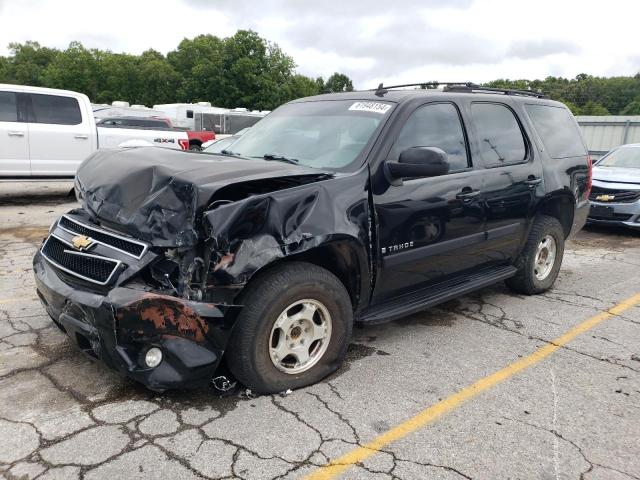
(558, 130)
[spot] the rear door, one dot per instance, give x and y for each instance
(61, 134)
(14, 136)
(512, 175)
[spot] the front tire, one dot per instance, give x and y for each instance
(540, 261)
(293, 330)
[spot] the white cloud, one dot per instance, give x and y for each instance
(372, 40)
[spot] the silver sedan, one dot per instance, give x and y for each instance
(615, 195)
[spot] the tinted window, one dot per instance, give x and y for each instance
(55, 110)
(189, 113)
(155, 124)
(559, 132)
(8, 110)
(499, 134)
(435, 125)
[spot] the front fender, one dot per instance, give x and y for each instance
(247, 235)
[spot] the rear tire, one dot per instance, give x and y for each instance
(540, 261)
(272, 320)
(194, 147)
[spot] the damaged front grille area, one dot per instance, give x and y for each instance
(130, 247)
(88, 267)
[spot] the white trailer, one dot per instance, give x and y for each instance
(182, 115)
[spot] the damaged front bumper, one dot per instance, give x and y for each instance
(120, 325)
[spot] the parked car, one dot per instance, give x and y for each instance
(341, 208)
(48, 133)
(615, 196)
(222, 144)
(196, 139)
(135, 122)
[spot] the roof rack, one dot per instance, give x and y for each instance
(468, 87)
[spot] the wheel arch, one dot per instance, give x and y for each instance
(346, 258)
(560, 205)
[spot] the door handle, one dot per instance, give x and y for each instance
(16, 134)
(82, 137)
(533, 181)
(467, 195)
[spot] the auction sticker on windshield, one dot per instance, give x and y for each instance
(375, 107)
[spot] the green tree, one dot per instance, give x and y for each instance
(632, 108)
(338, 82)
(27, 63)
(76, 68)
(121, 79)
(300, 86)
(158, 79)
(593, 108)
(4, 70)
(198, 62)
(572, 106)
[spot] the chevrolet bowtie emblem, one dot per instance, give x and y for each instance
(605, 198)
(81, 242)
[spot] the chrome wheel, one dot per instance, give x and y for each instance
(300, 336)
(545, 257)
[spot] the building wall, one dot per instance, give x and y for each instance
(603, 133)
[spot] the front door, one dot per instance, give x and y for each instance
(14, 138)
(429, 228)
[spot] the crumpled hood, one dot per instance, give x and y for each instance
(158, 195)
(617, 174)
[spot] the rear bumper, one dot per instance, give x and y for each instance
(579, 217)
(119, 326)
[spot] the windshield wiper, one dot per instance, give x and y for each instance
(227, 152)
(280, 158)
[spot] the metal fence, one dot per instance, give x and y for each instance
(603, 133)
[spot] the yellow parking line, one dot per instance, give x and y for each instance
(439, 409)
(17, 299)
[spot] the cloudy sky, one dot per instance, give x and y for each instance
(370, 40)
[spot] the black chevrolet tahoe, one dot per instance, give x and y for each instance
(340, 208)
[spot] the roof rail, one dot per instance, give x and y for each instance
(460, 87)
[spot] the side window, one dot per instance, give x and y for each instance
(435, 125)
(8, 107)
(55, 109)
(189, 113)
(558, 130)
(499, 134)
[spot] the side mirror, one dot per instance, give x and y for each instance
(417, 162)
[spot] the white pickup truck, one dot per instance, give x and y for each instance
(47, 133)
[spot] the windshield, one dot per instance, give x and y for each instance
(626, 157)
(323, 134)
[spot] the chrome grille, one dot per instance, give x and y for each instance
(131, 247)
(91, 268)
(619, 196)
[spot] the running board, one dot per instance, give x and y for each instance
(428, 297)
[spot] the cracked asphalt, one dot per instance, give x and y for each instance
(573, 415)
